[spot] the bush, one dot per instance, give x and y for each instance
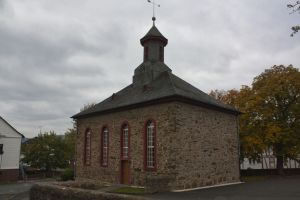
(68, 174)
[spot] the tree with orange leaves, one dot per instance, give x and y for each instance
(271, 118)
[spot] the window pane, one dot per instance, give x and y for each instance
(125, 133)
(105, 146)
(150, 145)
(88, 148)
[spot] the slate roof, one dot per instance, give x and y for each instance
(154, 33)
(166, 85)
(153, 82)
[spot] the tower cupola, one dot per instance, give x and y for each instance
(153, 64)
(154, 43)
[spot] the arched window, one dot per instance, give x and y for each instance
(125, 142)
(87, 147)
(150, 143)
(104, 150)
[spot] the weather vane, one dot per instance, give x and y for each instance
(154, 6)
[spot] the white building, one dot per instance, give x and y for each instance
(268, 161)
(10, 147)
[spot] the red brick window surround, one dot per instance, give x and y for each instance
(150, 146)
(104, 149)
(87, 147)
(125, 142)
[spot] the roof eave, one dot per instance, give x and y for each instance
(158, 101)
(154, 38)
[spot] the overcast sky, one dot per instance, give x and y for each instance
(57, 55)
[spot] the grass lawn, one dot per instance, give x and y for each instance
(253, 178)
(129, 190)
(8, 182)
(82, 185)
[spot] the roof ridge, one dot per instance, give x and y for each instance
(207, 98)
(172, 83)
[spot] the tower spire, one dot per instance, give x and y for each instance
(154, 5)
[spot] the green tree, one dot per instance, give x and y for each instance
(87, 106)
(46, 151)
(70, 136)
(69, 141)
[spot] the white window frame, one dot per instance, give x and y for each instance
(88, 147)
(125, 141)
(105, 136)
(150, 145)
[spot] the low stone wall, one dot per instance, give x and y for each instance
(7, 175)
(56, 192)
(158, 184)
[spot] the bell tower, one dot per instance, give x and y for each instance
(154, 43)
(153, 62)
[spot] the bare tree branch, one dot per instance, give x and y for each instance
(295, 8)
(295, 30)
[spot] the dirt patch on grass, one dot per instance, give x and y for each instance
(82, 185)
(63, 192)
(254, 178)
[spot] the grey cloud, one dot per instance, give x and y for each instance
(56, 58)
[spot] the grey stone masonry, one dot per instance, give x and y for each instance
(163, 115)
(196, 146)
(206, 147)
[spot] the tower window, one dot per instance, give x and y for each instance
(104, 150)
(146, 52)
(87, 148)
(161, 54)
(1, 149)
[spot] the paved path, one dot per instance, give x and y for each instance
(283, 188)
(15, 191)
(19, 190)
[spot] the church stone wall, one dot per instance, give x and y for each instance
(164, 116)
(207, 150)
(195, 146)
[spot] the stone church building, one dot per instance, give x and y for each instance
(158, 126)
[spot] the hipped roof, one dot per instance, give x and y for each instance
(166, 87)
